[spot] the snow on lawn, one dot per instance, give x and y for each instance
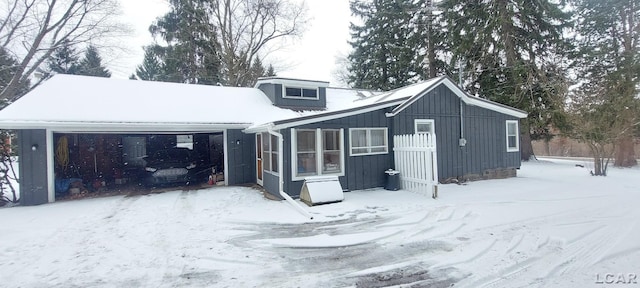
(552, 226)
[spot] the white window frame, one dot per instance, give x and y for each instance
(517, 129)
(267, 137)
(319, 153)
(368, 139)
(424, 121)
(284, 92)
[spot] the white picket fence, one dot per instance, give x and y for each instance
(416, 160)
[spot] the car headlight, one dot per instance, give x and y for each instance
(150, 169)
(191, 166)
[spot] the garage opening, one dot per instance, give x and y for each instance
(109, 163)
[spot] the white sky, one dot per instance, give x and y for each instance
(313, 56)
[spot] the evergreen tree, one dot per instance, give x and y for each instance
(8, 67)
(608, 62)
(151, 68)
(63, 60)
(91, 64)
(386, 47)
(191, 51)
(270, 71)
(511, 50)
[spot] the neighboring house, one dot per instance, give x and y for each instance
(107, 124)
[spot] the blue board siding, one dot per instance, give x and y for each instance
(241, 149)
(33, 167)
(274, 92)
(362, 172)
(484, 130)
(271, 183)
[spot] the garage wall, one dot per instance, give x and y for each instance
(33, 167)
(241, 149)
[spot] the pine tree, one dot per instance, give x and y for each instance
(608, 60)
(270, 71)
(91, 64)
(190, 53)
(8, 66)
(511, 51)
(386, 47)
(63, 60)
(151, 68)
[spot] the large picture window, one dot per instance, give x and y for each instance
(301, 93)
(317, 152)
(513, 141)
(270, 152)
(368, 141)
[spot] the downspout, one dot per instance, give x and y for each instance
(284, 195)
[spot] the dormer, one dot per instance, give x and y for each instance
(295, 94)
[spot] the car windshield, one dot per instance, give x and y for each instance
(175, 154)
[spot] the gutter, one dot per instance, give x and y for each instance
(284, 195)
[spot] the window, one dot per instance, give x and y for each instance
(301, 93)
(317, 152)
(368, 141)
(513, 144)
(270, 152)
(425, 126)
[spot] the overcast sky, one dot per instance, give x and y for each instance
(311, 57)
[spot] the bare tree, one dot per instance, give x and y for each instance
(30, 30)
(247, 29)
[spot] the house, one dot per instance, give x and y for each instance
(275, 134)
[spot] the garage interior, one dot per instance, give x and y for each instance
(113, 163)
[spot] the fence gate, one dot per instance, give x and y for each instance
(416, 160)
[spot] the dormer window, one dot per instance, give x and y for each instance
(300, 93)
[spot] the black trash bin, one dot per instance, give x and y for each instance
(393, 180)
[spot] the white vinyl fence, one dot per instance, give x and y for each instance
(416, 160)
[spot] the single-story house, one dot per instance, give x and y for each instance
(275, 134)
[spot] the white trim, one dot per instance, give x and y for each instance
(51, 189)
(368, 139)
(464, 97)
(71, 127)
(319, 154)
(302, 88)
(517, 148)
(259, 181)
(424, 121)
(291, 82)
(225, 156)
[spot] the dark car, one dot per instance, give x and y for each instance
(170, 166)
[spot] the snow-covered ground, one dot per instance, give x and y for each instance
(552, 226)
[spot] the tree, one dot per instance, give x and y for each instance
(8, 68)
(91, 64)
(386, 46)
(247, 29)
(190, 52)
(151, 68)
(608, 60)
(32, 29)
(512, 51)
(64, 59)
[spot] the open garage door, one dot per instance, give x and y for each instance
(90, 163)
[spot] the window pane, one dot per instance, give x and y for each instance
(512, 141)
(511, 129)
(306, 141)
(293, 92)
(359, 150)
(266, 161)
(377, 137)
(331, 140)
(274, 162)
(307, 163)
(265, 142)
(358, 138)
(378, 149)
(331, 162)
(310, 93)
(424, 128)
(274, 143)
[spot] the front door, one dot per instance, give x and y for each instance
(259, 158)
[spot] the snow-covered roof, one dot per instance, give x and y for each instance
(73, 102)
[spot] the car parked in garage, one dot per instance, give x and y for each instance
(170, 166)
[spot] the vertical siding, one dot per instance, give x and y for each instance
(269, 90)
(271, 183)
(33, 167)
(274, 92)
(361, 172)
(241, 157)
(484, 130)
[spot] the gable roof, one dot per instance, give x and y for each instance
(71, 102)
(401, 98)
